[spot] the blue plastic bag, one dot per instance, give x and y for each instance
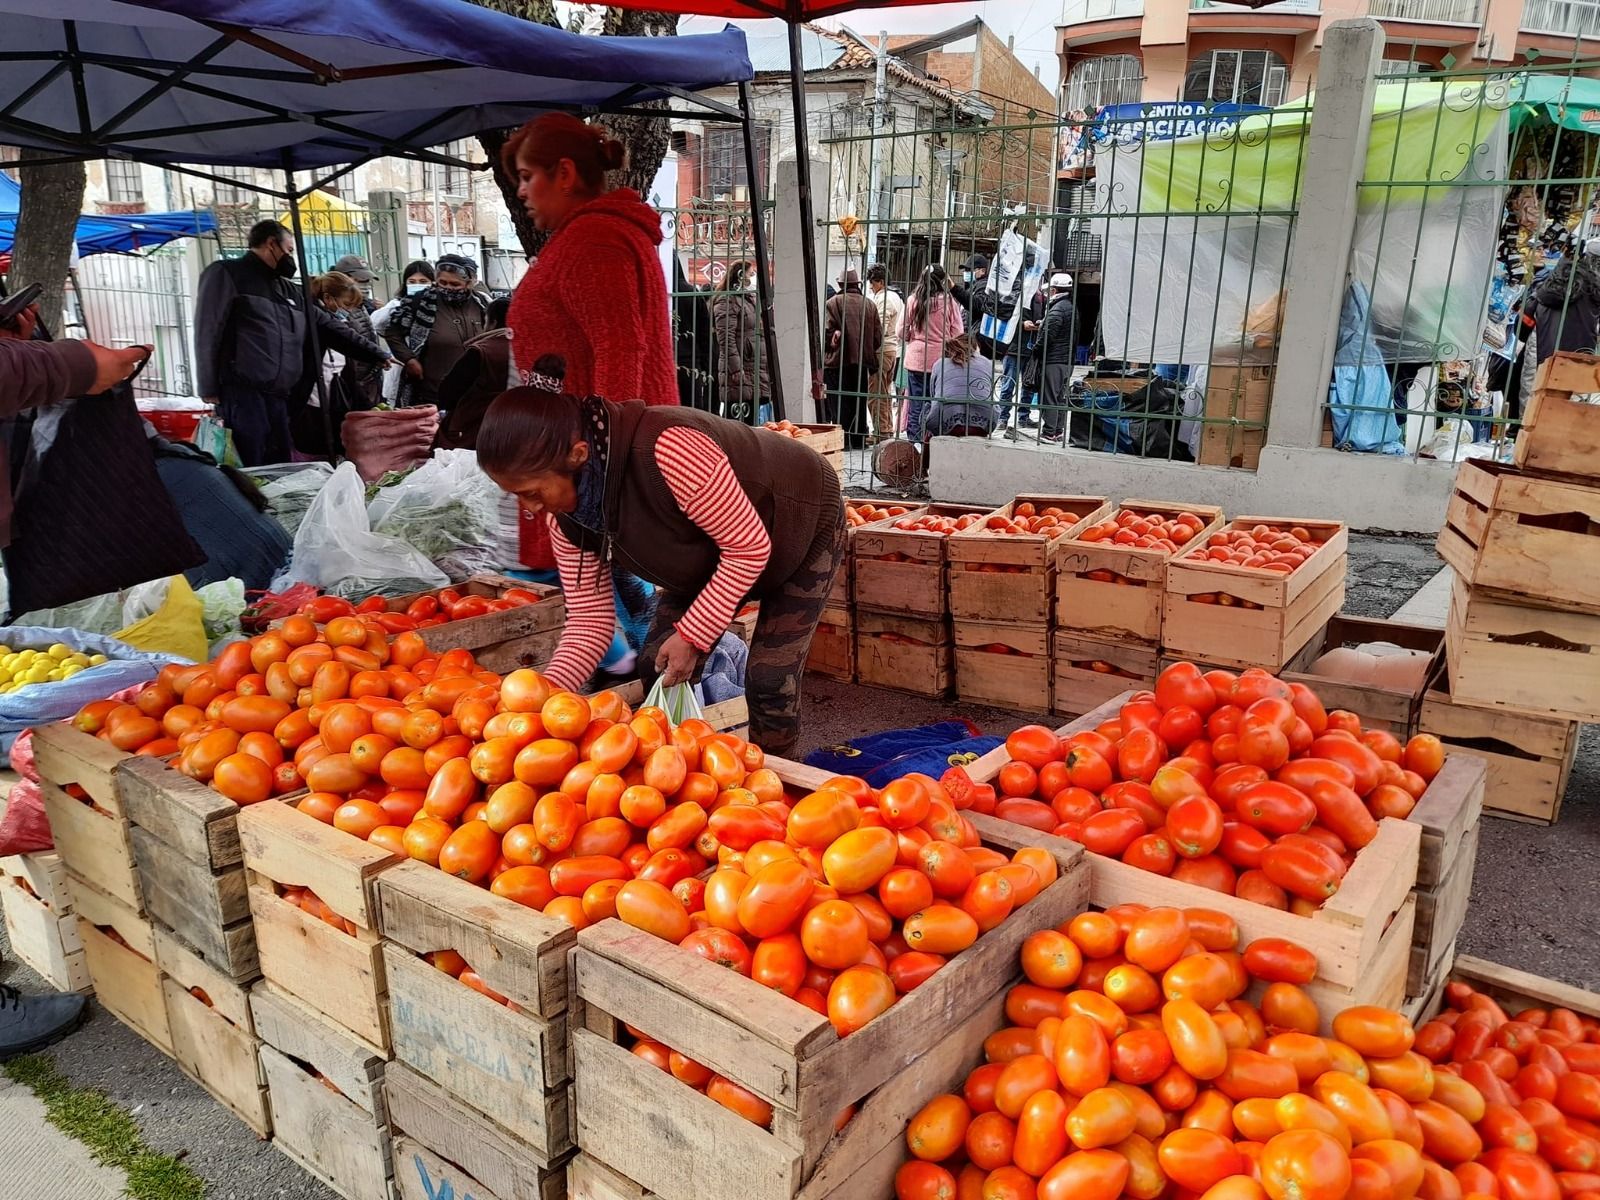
(928, 749)
(41, 703)
(1360, 396)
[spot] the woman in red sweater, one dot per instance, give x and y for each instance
(597, 295)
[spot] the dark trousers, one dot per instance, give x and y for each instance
(784, 629)
(1057, 386)
(848, 388)
(259, 422)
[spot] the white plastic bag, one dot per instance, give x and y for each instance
(677, 701)
(336, 550)
(290, 494)
(448, 509)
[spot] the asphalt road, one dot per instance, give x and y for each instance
(1534, 906)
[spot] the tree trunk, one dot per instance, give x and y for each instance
(647, 138)
(47, 221)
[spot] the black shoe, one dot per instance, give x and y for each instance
(1028, 424)
(29, 1023)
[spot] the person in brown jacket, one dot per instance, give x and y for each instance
(689, 502)
(855, 341)
(482, 373)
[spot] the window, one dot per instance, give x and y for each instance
(124, 181)
(230, 192)
(1097, 82)
(1237, 76)
(723, 166)
(450, 180)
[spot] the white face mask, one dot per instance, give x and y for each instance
(966, 276)
(413, 288)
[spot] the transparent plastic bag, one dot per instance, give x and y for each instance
(447, 509)
(291, 494)
(97, 614)
(677, 701)
(336, 550)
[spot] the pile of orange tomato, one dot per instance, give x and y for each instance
(1137, 1065)
(1242, 783)
(865, 514)
(1280, 549)
(423, 612)
(1028, 519)
(788, 428)
(1146, 530)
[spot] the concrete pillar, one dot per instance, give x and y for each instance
(789, 287)
(388, 243)
(1335, 159)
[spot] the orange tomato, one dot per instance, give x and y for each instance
(857, 995)
(243, 778)
(651, 906)
(1305, 1164)
(470, 851)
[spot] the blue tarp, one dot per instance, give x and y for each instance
(347, 80)
(107, 234)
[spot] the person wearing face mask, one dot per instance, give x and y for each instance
(254, 356)
(430, 331)
(743, 379)
(418, 277)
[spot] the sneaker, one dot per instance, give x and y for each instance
(1013, 436)
(1029, 423)
(30, 1023)
(1050, 439)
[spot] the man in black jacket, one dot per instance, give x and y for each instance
(1057, 348)
(253, 347)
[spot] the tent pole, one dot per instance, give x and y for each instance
(808, 232)
(305, 293)
(758, 234)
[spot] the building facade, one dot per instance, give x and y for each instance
(1126, 51)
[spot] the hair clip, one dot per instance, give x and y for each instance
(545, 383)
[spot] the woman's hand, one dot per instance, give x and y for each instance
(676, 660)
(414, 368)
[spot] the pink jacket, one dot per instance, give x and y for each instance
(925, 347)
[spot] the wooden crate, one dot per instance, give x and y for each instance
(655, 1132)
(859, 1162)
(1529, 756)
(94, 845)
(1507, 656)
(1392, 709)
(125, 975)
(464, 1145)
(210, 911)
(1441, 913)
(1524, 539)
(1001, 577)
(908, 654)
(1561, 435)
(833, 646)
(1017, 677)
(325, 1086)
(213, 1039)
(1127, 600)
(66, 756)
(1361, 935)
(508, 1065)
(420, 1174)
(44, 938)
(44, 874)
(337, 973)
(1515, 990)
(500, 641)
(1290, 609)
(903, 571)
(1087, 672)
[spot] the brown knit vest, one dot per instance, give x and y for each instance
(650, 535)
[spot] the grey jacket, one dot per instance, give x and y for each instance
(32, 375)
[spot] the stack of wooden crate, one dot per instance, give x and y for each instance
(902, 615)
(833, 646)
(1232, 616)
(643, 1132)
(41, 925)
(1110, 602)
(479, 1092)
(1391, 708)
(1449, 814)
(1003, 599)
(83, 798)
(321, 1008)
(1524, 622)
(826, 440)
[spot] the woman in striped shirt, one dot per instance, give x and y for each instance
(689, 502)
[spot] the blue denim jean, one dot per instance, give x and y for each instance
(1010, 381)
(917, 396)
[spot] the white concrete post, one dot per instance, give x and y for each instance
(789, 287)
(1335, 159)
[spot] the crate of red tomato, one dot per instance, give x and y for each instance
(1254, 592)
(506, 623)
(711, 1071)
(1003, 569)
(1112, 571)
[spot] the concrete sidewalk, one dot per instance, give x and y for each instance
(43, 1162)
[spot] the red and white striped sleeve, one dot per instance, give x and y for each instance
(702, 481)
(591, 613)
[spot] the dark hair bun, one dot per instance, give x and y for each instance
(613, 154)
(552, 365)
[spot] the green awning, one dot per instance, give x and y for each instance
(1570, 101)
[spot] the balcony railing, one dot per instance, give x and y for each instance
(1449, 12)
(1075, 12)
(1581, 17)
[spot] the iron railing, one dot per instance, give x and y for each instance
(1449, 12)
(1578, 17)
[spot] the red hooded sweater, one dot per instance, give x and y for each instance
(598, 298)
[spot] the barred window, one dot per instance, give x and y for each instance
(1096, 82)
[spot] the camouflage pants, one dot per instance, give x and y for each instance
(782, 640)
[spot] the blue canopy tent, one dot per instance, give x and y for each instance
(104, 234)
(304, 85)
